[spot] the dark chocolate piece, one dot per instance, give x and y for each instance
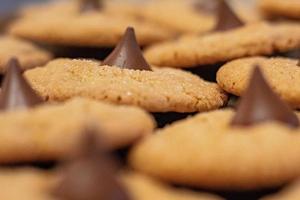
(16, 92)
(90, 5)
(90, 175)
(260, 104)
(127, 53)
(227, 19)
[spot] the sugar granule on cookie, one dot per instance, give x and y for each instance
(259, 104)
(16, 92)
(159, 90)
(127, 53)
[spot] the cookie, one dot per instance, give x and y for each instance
(177, 16)
(33, 184)
(287, 8)
(261, 137)
(49, 132)
(142, 187)
(265, 155)
(64, 24)
(282, 74)
(160, 90)
(29, 55)
(249, 40)
(25, 183)
(291, 192)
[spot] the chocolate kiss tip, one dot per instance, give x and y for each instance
(91, 175)
(227, 19)
(127, 53)
(16, 92)
(90, 5)
(260, 104)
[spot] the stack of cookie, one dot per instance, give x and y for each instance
(156, 99)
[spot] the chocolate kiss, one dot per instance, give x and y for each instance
(227, 19)
(16, 92)
(259, 104)
(90, 5)
(127, 53)
(91, 175)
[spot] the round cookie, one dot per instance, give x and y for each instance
(49, 132)
(63, 24)
(291, 192)
(160, 90)
(214, 155)
(28, 54)
(287, 8)
(283, 75)
(33, 184)
(249, 40)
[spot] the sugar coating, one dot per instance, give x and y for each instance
(282, 74)
(205, 151)
(160, 90)
(253, 39)
(62, 24)
(28, 54)
(288, 8)
(50, 132)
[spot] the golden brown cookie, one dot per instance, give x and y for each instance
(63, 24)
(283, 74)
(160, 90)
(287, 8)
(49, 132)
(206, 151)
(142, 187)
(32, 184)
(25, 183)
(178, 16)
(250, 40)
(28, 54)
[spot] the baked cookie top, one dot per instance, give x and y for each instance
(160, 90)
(249, 40)
(49, 132)
(62, 23)
(287, 8)
(28, 54)
(283, 74)
(213, 154)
